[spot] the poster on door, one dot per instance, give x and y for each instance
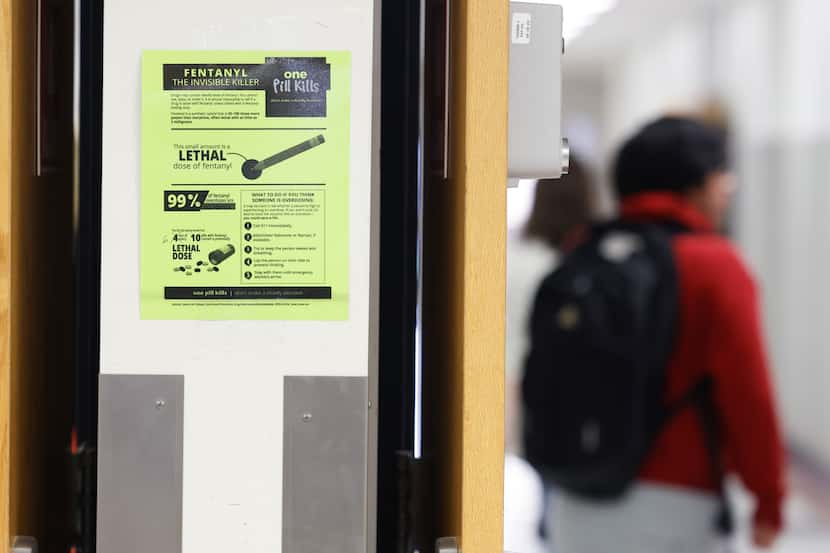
(245, 185)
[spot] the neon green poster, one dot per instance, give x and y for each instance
(245, 185)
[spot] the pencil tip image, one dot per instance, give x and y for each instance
(252, 169)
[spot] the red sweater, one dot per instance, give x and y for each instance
(720, 334)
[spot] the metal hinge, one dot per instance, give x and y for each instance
(447, 545)
(24, 544)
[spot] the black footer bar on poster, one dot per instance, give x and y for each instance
(247, 293)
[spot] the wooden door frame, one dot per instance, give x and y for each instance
(466, 279)
(5, 264)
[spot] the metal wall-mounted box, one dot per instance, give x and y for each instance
(536, 147)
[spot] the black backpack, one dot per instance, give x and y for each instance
(602, 331)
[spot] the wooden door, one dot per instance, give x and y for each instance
(467, 221)
(36, 284)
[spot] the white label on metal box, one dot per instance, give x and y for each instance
(521, 28)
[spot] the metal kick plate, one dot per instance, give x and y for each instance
(140, 464)
(324, 464)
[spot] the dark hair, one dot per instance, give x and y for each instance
(672, 154)
(561, 205)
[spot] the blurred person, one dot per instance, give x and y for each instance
(647, 379)
(560, 208)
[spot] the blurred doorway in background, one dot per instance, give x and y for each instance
(762, 60)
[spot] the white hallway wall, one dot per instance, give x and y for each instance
(767, 62)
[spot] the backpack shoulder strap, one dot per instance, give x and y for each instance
(701, 397)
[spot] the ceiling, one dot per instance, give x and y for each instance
(586, 55)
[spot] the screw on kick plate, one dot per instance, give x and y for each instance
(252, 169)
(306, 417)
(160, 403)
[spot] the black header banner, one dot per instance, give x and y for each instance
(294, 87)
